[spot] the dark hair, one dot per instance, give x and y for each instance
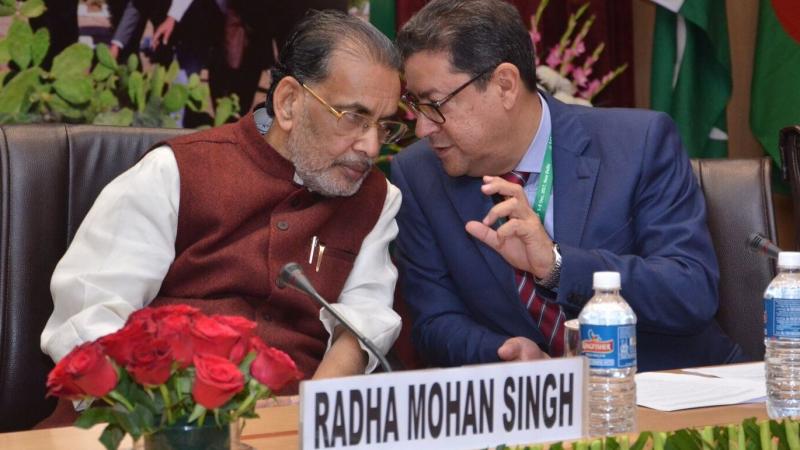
(307, 52)
(477, 34)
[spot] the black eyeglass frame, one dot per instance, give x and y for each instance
(414, 103)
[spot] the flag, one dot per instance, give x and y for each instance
(691, 72)
(382, 14)
(775, 90)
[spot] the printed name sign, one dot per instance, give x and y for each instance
(466, 407)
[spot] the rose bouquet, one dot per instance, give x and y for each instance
(171, 365)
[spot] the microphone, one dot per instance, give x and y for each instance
(292, 275)
(761, 244)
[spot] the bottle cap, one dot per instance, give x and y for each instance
(606, 280)
(789, 259)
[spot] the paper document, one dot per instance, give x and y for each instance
(750, 371)
(673, 392)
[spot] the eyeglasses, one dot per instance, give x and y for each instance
(431, 110)
(350, 122)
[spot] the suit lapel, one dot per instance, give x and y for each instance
(575, 174)
(470, 204)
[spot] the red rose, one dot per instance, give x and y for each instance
(213, 337)
(245, 328)
(84, 371)
(151, 362)
(217, 380)
(172, 310)
(143, 318)
(119, 346)
(59, 384)
(175, 330)
(272, 367)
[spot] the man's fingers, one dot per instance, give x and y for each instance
(483, 233)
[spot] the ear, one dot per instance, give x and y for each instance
(287, 102)
(507, 79)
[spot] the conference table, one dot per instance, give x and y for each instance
(277, 427)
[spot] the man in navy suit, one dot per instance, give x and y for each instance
(596, 190)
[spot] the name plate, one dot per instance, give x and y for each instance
(466, 407)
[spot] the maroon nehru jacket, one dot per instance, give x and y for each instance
(242, 218)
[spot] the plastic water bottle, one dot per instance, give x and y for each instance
(608, 340)
(782, 338)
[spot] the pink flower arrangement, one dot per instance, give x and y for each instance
(564, 74)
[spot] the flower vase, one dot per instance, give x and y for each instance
(190, 436)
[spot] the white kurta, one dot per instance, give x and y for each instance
(126, 244)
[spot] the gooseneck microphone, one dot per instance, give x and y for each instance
(761, 244)
(292, 275)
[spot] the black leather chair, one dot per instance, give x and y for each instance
(790, 170)
(49, 177)
(739, 202)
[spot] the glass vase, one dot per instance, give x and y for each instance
(190, 436)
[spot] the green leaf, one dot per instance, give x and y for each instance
(136, 90)
(107, 100)
(199, 98)
(121, 118)
(60, 106)
(20, 38)
(133, 62)
(157, 79)
(175, 98)
(74, 89)
(74, 60)
(172, 72)
(40, 45)
(101, 72)
(5, 54)
(32, 8)
(6, 10)
(14, 95)
(111, 437)
(92, 416)
(199, 411)
(221, 115)
(104, 56)
(792, 434)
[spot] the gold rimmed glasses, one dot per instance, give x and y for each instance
(351, 122)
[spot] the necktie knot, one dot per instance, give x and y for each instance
(517, 177)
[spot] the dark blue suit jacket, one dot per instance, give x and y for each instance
(625, 199)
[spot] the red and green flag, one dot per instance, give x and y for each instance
(775, 89)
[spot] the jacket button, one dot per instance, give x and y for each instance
(283, 225)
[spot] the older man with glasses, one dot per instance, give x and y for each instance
(512, 199)
(210, 218)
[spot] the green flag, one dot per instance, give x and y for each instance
(775, 91)
(691, 73)
(382, 14)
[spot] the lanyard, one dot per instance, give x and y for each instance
(545, 186)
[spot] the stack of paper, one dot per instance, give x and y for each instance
(741, 383)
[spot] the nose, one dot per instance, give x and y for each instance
(368, 143)
(425, 127)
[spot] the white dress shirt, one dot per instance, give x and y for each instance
(126, 244)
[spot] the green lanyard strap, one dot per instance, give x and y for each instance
(545, 186)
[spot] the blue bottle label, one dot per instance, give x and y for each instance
(782, 317)
(609, 346)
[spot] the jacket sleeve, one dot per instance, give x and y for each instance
(444, 331)
(668, 267)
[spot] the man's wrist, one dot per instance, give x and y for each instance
(550, 281)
